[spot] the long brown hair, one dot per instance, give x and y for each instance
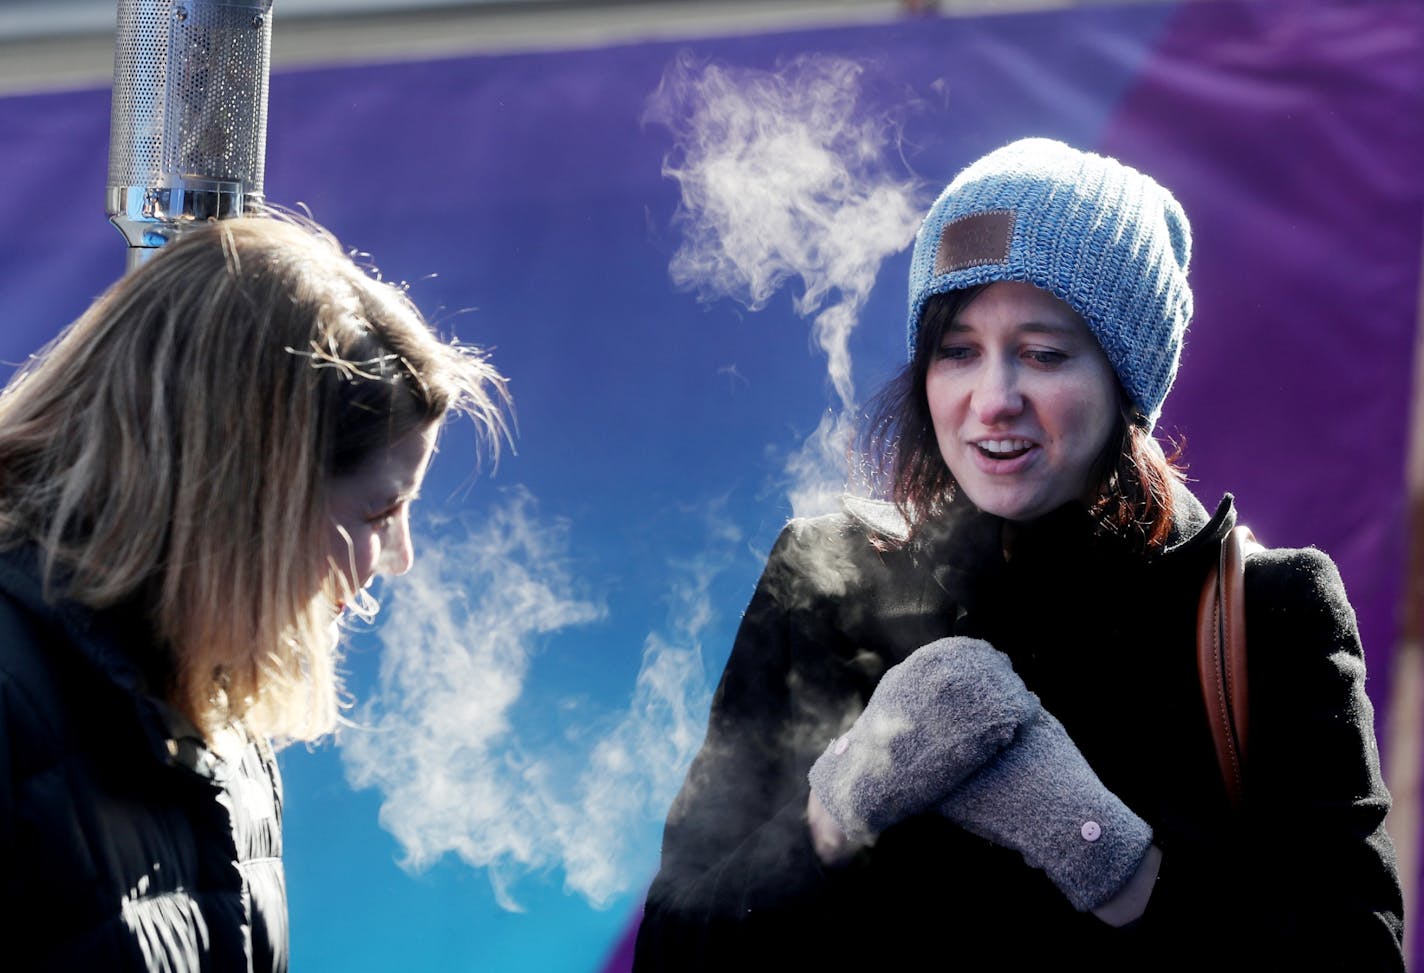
(175, 444)
(902, 459)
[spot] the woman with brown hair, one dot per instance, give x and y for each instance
(197, 479)
(963, 728)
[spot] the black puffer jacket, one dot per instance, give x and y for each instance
(127, 844)
(1303, 879)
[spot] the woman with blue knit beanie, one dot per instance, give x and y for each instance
(963, 728)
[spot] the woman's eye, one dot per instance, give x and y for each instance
(953, 353)
(384, 517)
(1041, 356)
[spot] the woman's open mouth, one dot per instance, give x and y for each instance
(1003, 449)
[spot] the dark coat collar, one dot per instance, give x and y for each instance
(965, 530)
(97, 635)
(1192, 528)
(102, 641)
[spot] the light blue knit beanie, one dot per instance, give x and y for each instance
(1100, 236)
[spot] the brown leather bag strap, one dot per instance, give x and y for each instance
(1221, 658)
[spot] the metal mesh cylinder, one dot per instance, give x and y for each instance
(188, 128)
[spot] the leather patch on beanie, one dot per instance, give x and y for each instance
(975, 240)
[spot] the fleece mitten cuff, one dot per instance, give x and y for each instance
(1040, 797)
(932, 721)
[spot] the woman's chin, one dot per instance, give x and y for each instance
(1016, 505)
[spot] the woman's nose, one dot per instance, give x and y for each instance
(399, 554)
(996, 393)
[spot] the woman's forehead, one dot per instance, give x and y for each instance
(395, 471)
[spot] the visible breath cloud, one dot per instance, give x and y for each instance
(636, 767)
(440, 735)
(786, 176)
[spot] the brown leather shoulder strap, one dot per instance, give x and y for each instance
(1221, 658)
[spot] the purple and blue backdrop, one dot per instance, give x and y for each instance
(641, 235)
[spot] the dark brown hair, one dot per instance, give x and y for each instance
(902, 459)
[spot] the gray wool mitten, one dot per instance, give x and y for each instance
(1040, 798)
(932, 721)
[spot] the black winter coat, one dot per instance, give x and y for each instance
(127, 844)
(1303, 879)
